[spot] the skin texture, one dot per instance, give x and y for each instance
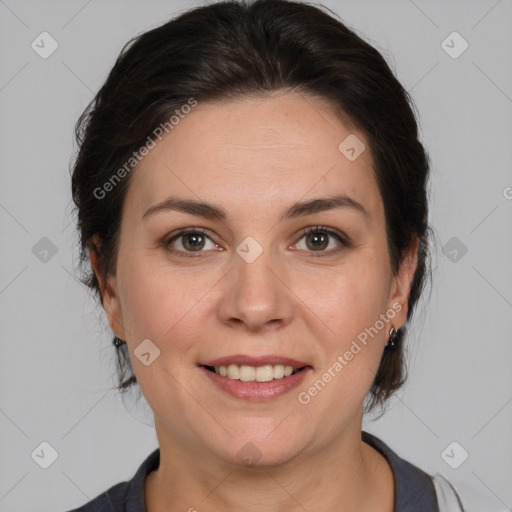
(255, 157)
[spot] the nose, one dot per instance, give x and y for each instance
(256, 296)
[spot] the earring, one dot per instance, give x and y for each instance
(117, 341)
(393, 337)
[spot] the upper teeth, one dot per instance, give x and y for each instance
(250, 373)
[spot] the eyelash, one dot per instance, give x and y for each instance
(308, 231)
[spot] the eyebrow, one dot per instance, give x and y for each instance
(299, 209)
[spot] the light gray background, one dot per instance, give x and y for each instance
(57, 361)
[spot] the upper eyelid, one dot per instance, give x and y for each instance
(343, 239)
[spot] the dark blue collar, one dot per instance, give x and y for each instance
(414, 490)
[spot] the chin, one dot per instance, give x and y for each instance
(259, 451)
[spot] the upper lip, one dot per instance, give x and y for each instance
(241, 359)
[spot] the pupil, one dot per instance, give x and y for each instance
(321, 238)
(197, 242)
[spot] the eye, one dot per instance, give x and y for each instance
(194, 240)
(190, 240)
(319, 238)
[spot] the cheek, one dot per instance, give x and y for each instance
(163, 306)
(158, 301)
(351, 307)
(350, 299)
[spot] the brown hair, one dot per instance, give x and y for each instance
(231, 49)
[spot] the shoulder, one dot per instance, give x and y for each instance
(417, 491)
(470, 500)
(126, 496)
(414, 489)
(112, 500)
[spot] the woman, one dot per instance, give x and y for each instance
(252, 198)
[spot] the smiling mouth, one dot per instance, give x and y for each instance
(244, 373)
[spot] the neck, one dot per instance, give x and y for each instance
(345, 475)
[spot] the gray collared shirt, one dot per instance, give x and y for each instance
(414, 489)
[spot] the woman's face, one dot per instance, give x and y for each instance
(254, 285)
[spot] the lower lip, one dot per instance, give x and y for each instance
(257, 391)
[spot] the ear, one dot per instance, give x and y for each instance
(108, 290)
(402, 285)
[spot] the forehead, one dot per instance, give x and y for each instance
(255, 153)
